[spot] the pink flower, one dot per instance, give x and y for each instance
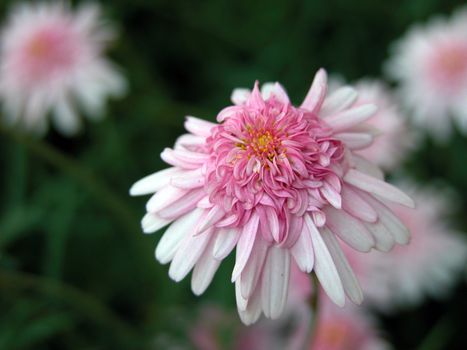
(430, 63)
(392, 138)
(51, 61)
(275, 182)
(336, 328)
(428, 265)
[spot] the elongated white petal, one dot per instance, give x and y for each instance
(241, 301)
(189, 179)
(356, 206)
(355, 140)
(173, 236)
(215, 214)
(151, 223)
(365, 166)
(384, 241)
(350, 229)
(351, 117)
(189, 140)
(198, 126)
(226, 240)
(164, 198)
(204, 270)
(349, 281)
(182, 205)
(378, 187)
(325, 268)
(253, 268)
(339, 100)
(188, 254)
(154, 182)
(302, 251)
(315, 96)
(331, 195)
(245, 245)
(397, 229)
(275, 282)
(252, 311)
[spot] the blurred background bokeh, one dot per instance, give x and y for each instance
(75, 270)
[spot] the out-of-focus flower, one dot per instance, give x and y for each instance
(430, 63)
(393, 139)
(275, 181)
(348, 328)
(430, 264)
(51, 61)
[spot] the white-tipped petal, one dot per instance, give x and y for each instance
(154, 182)
(226, 239)
(151, 223)
(204, 270)
(245, 245)
(351, 117)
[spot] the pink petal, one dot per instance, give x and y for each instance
(351, 117)
(356, 206)
(315, 97)
(253, 268)
(339, 100)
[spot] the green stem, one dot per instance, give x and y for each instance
(98, 189)
(439, 335)
(314, 306)
(85, 304)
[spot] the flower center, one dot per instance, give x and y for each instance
(262, 144)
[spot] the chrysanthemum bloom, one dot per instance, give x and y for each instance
(430, 63)
(51, 62)
(429, 265)
(392, 138)
(275, 181)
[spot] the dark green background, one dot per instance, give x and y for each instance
(75, 270)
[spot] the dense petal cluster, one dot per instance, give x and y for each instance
(429, 265)
(430, 63)
(50, 61)
(276, 182)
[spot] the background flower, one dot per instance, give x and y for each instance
(51, 62)
(430, 64)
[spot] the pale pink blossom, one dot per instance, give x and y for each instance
(430, 64)
(392, 137)
(51, 62)
(336, 328)
(429, 265)
(276, 182)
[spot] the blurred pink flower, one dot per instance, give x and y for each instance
(347, 328)
(51, 61)
(275, 181)
(430, 63)
(393, 139)
(429, 264)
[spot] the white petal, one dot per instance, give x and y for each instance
(240, 96)
(252, 311)
(154, 182)
(349, 281)
(151, 223)
(275, 282)
(188, 180)
(183, 205)
(384, 241)
(356, 206)
(173, 236)
(378, 187)
(351, 117)
(339, 100)
(226, 239)
(253, 268)
(245, 245)
(355, 140)
(215, 214)
(367, 167)
(315, 96)
(198, 126)
(165, 197)
(324, 267)
(350, 229)
(188, 254)
(302, 251)
(204, 270)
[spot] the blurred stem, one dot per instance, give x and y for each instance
(439, 334)
(314, 306)
(88, 180)
(84, 303)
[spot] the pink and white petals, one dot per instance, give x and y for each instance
(278, 184)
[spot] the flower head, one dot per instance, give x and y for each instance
(430, 63)
(428, 265)
(50, 61)
(275, 182)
